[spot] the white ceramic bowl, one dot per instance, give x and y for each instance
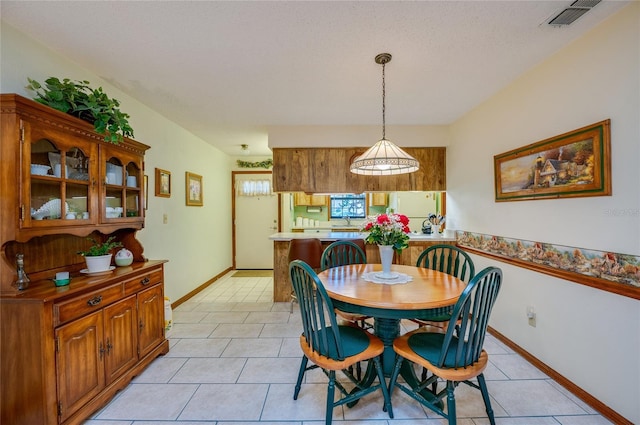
(39, 170)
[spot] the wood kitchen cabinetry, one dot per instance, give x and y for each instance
(378, 199)
(302, 199)
(326, 170)
(67, 350)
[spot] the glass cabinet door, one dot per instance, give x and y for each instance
(57, 184)
(123, 183)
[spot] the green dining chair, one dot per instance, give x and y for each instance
(455, 355)
(330, 346)
(448, 259)
(342, 253)
(451, 260)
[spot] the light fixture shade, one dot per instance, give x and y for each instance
(384, 159)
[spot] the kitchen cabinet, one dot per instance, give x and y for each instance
(122, 198)
(326, 170)
(302, 199)
(378, 199)
(65, 177)
(67, 350)
(92, 352)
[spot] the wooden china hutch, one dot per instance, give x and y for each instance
(66, 350)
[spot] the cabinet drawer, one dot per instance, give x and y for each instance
(86, 303)
(134, 285)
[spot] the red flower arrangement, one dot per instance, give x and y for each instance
(388, 229)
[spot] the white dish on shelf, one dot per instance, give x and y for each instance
(39, 170)
(87, 272)
(53, 207)
(39, 215)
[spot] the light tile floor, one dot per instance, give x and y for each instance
(234, 360)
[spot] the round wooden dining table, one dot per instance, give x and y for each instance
(430, 293)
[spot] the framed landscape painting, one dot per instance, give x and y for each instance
(194, 189)
(573, 164)
(163, 183)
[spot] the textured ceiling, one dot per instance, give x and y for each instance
(226, 71)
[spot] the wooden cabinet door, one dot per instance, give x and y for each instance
(79, 362)
(150, 319)
(120, 338)
(300, 198)
(378, 199)
(319, 200)
(121, 175)
(59, 192)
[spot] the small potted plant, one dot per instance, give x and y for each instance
(92, 105)
(98, 256)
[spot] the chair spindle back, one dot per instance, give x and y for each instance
(341, 253)
(448, 259)
(318, 317)
(463, 342)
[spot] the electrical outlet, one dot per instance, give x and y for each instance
(531, 316)
(165, 218)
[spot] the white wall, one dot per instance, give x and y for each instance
(196, 240)
(590, 336)
(339, 136)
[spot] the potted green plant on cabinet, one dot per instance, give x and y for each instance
(78, 99)
(98, 255)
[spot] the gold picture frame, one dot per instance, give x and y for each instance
(163, 183)
(573, 164)
(146, 191)
(193, 189)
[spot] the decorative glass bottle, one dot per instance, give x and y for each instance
(22, 282)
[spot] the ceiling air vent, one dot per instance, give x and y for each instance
(573, 12)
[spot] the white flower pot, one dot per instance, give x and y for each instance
(98, 263)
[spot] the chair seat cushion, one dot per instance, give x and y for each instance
(429, 346)
(354, 341)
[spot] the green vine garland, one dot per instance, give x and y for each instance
(267, 163)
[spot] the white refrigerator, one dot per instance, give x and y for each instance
(415, 205)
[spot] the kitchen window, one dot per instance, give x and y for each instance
(348, 205)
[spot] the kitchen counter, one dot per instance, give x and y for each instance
(336, 228)
(326, 236)
(418, 242)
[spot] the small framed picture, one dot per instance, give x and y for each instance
(146, 192)
(194, 189)
(163, 183)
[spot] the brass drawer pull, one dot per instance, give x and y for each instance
(145, 281)
(95, 301)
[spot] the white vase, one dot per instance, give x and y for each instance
(98, 263)
(386, 258)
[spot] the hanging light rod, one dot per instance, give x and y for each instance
(384, 158)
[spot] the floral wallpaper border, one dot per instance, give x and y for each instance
(623, 269)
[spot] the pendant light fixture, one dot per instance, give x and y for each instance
(384, 158)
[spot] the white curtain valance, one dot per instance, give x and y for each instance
(260, 187)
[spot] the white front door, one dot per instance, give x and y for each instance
(256, 218)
